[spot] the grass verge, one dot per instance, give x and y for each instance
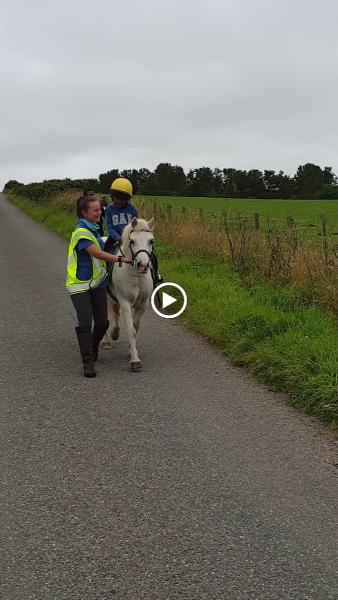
(288, 345)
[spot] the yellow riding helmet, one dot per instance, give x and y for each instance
(122, 185)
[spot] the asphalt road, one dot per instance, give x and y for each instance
(187, 480)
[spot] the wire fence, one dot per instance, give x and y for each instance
(281, 250)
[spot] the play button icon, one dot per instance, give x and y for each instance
(166, 300)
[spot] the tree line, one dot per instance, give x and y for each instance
(309, 181)
(171, 180)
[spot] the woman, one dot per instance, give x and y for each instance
(87, 280)
(103, 204)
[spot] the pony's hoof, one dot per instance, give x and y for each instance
(105, 345)
(136, 366)
(115, 334)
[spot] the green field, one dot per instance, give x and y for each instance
(307, 214)
(303, 211)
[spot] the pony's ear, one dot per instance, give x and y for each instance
(134, 222)
(151, 224)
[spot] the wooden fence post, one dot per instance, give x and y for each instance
(227, 233)
(325, 241)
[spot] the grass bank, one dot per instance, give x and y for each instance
(288, 346)
(287, 343)
(277, 255)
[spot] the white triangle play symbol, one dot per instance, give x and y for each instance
(167, 300)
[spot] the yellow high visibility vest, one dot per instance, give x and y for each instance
(73, 284)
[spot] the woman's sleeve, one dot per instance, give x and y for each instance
(82, 244)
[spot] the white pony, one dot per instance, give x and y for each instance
(131, 286)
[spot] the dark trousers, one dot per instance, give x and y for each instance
(91, 305)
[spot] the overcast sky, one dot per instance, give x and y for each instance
(91, 86)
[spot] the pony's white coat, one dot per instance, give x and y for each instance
(131, 285)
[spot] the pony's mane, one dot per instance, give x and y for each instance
(141, 224)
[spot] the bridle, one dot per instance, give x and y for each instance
(134, 254)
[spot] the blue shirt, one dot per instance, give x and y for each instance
(117, 218)
(84, 269)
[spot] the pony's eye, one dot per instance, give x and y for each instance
(132, 242)
(151, 241)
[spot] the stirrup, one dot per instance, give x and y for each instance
(158, 279)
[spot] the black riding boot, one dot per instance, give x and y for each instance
(85, 338)
(157, 278)
(98, 334)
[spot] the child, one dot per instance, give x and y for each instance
(118, 214)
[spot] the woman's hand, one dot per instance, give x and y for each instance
(93, 251)
(125, 259)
